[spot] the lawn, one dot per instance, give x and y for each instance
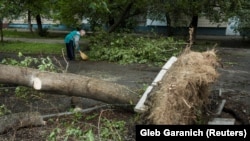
(16, 33)
(31, 48)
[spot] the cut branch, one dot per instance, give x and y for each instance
(19, 120)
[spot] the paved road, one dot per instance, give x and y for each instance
(51, 41)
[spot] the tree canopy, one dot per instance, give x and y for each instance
(116, 14)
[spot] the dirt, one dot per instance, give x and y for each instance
(233, 83)
(234, 80)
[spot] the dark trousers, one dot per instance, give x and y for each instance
(70, 50)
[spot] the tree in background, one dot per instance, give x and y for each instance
(124, 14)
(178, 13)
(113, 14)
(71, 13)
(8, 9)
(187, 12)
(37, 9)
(220, 11)
(244, 18)
(116, 14)
(13, 9)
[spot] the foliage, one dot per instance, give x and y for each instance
(127, 49)
(12, 9)
(27, 93)
(23, 92)
(220, 11)
(43, 64)
(89, 117)
(114, 47)
(244, 18)
(112, 130)
(9, 9)
(105, 130)
(124, 14)
(71, 12)
(4, 110)
(53, 134)
(99, 13)
(74, 133)
(109, 12)
(16, 8)
(215, 11)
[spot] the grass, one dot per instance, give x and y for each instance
(14, 33)
(17, 34)
(31, 48)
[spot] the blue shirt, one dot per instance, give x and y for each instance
(73, 36)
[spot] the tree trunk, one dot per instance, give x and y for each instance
(111, 21)
(1, 29)
(68, 84)
(29, 21)
(194, 24)
(122, 18)
(169, 26)
(39, 25)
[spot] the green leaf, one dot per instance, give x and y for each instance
(90, 136)
(20, 54)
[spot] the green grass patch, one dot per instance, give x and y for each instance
(18, 34)
(27, 34)
(32, 48)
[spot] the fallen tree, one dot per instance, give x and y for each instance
(68, 84)
(183, 92)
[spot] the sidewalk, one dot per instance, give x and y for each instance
(217, 37)
(34, 40)
(83, 41)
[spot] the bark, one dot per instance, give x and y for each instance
(39, 25)
(68, 84)
(74, 111)
(29, 21)
(194, 24)
(111, 21)
(1, 29)
(19, 120)
(169, 26)
(122, 18)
